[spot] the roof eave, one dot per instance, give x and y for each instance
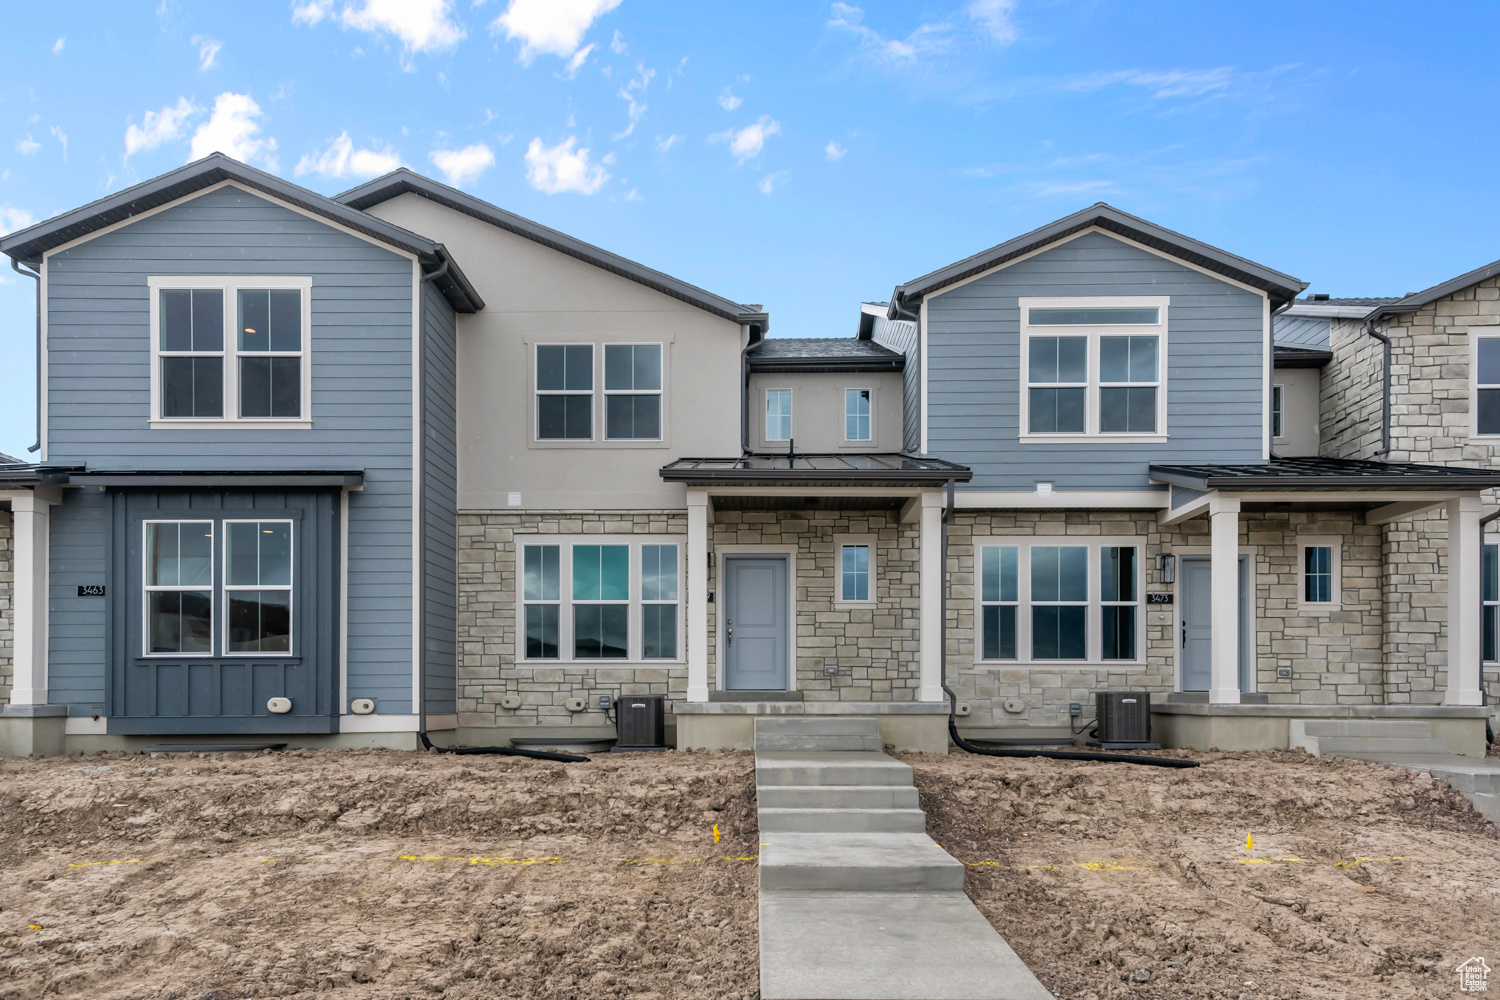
(810, 366)
(1414, 303)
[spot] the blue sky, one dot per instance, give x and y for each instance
(805, 155)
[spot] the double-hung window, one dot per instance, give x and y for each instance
(1486, 381)
(632, 392)
(1093, 368)
(855, 571)
(1490, 587)
(1059, 601)
(565, 392)
(778, 414)
(857, 415)
(1277, 396)
(258, 587)
(178, 569)
(595, 598)
(254, 373)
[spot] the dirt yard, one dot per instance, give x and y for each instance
(372, 874)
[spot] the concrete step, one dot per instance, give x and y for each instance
(1392, 728)
(817, 725)
(836, 797)
(795, 741)
(857, 862)
(1348, 746)
(774, 820)
(789, 767)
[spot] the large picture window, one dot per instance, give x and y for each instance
(206, 373)
(596, 598)
(1058, 601)
(1093, 369)
(565, 392)
(178, 567)
(632, 392)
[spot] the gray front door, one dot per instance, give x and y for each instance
(756, 636)
(1195, 625)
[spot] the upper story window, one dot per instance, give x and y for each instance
(1093, 369)
(1486, 378)
(778, 414)
(565, 392)
(1277, 396)
(632, 392)
(857, 415)
(205, 374)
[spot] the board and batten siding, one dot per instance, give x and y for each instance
(1215, 373)
(77, 634)
(440, 501)
(98, 391)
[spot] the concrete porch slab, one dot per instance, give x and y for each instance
(885, 946)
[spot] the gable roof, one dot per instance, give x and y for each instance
(823, 354)
(28, 245)
(405, 181)
(1281, 288)
(1411, 303)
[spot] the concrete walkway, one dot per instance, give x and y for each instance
(856, 901)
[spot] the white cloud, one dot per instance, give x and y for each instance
(234, 130)
(12, 218)
(771, 182)
(461, 166)
(1171, 83)
(994, 17)
(926, 40)
(664, 144)
(728, 101)
(422, 25)
(560, 168)
(312, 11)
(61, 137)
(554, 26)
(746, 143)
(57, 46)
(617, 44)
(158, 126)
(634, 194)
(579, 58)
(834, 151)
(628, 92)
(341, 159)
(208, 51)
(28, 145)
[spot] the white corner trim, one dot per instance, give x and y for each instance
(343, 639)
(416, 486)
(926, 363)
(42, 367)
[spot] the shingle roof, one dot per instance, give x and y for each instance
(813, 354)
(1324, 474)
(1416, 300)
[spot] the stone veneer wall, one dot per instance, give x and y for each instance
(7, 607)
(1333, 655)
(487, 669)
(874, 649)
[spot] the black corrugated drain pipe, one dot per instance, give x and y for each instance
(1107, 758)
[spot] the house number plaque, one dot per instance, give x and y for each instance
(1158, 598)
(91, 590)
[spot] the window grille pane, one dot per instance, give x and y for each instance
(855, 583)
(1318, 574)
(579, 367)
(778, 414)
(259, 554)
(1059, 573)
(260, 621)
(658, 572)
(540, 567)
(1491, 565)
(1276, 411)
(541, 631)
(1488, 415)
(1117, 573)
(1491, 620)
(1000, 632)
(632, 366)
(1488, 350)
(1127, 359)
(1090, 317)
(192, 387)
(179, 554)
(856, 414)
(632, 417)
(208, 319)
(1127, 410)
(1056, 411)
(565, 417)
(1118, 627)
(180, 621)
(1058, 632)
(659, 631)
(255, 319)
(270, 387)
(286, 319)
(1058, 359)
(176, 319)
(647, 366)
(549, 368)
(599, 631)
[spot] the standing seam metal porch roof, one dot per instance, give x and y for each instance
(29, 244)
(1294, 474)
(1282, 288)
(891, 469)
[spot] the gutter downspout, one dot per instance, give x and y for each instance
(37, 277)
(1385, 390)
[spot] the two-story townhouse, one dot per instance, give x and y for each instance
(242, 518)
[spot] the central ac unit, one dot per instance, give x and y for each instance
(1123, 716)
(640, 722)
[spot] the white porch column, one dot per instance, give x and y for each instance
(931, 599)
(1224, 578)
(1463, 601)
(29, 598)
(697, 595)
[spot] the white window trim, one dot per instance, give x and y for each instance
(765, 408)
(1475, 336)
(147, 589)
(596, 359)
(1334, 542)
(1278, 411)
(1091, 392)
(230, 352)
(565, 601)
(661, 394)
(1094, 659)
(1487, 605)
(225, 588)
(839, 541)
(844, 438)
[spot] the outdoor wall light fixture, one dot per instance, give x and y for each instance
(1168, 568)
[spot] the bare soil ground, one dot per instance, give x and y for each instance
(374, 874)
(1362, 881)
